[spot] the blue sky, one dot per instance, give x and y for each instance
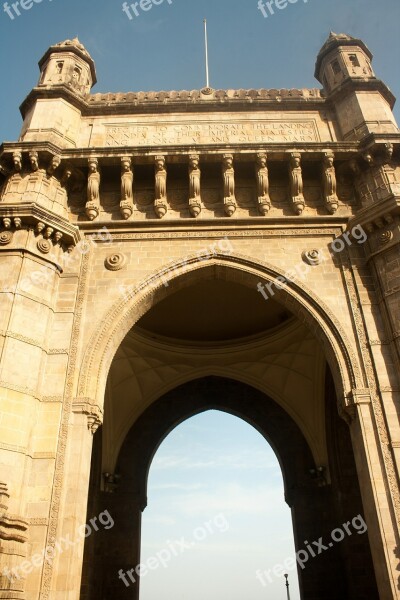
(163, 48)
(215, 477)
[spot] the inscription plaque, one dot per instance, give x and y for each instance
(253, 132)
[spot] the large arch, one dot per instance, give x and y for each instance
(123, 315)
(317, 509)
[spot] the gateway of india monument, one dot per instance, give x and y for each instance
(165, 253)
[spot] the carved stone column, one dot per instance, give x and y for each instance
(13, 542)
(264, 201)
(93, 190)
(126, 203)
(229, 185)
(329, 179)
(160, 202)
(194, 185)
(67, 567)
(296, 183)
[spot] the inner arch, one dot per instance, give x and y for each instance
(216, 483)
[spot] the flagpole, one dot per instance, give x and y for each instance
(206, 46)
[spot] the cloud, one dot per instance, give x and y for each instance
(232, 499)
(160, 520)
(176, 486)
(241, 459)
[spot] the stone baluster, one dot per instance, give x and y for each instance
(296, 183)
(93, 190)
(160, 202)
(126, 204)
(229, 185)
(264, 201)
(194, 185)
(329, 178)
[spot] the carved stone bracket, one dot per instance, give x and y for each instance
(263, 199)
(42, 221)
(126, 204)
(92, 411)
(194, 185)
(160, 201)
(230, 204)
(93, 190)
(296, 183)
(330, 186)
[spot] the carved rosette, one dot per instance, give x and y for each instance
(93, 190)
(330, 185)
(126, 204)
(194, 185)
(44, 246)
(296, 183)
(264, 201)
(115, 262)
(6, 238)
(228, 171)
(312, 257)
(160, 202)
(385, 237)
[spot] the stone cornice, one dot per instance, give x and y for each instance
(174, 101)
(344, 150)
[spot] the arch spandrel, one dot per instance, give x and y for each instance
(301, 301)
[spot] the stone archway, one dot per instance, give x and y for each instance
(294, 295)
(317, 509)
(310, 313)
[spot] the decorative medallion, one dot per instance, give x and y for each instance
(207, 91)
(312, 257)
(385, 237)
(115, 262)
(44, 246)
(5, 237)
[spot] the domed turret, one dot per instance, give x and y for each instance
(68, 63)
(342, 57)
(363, 103)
